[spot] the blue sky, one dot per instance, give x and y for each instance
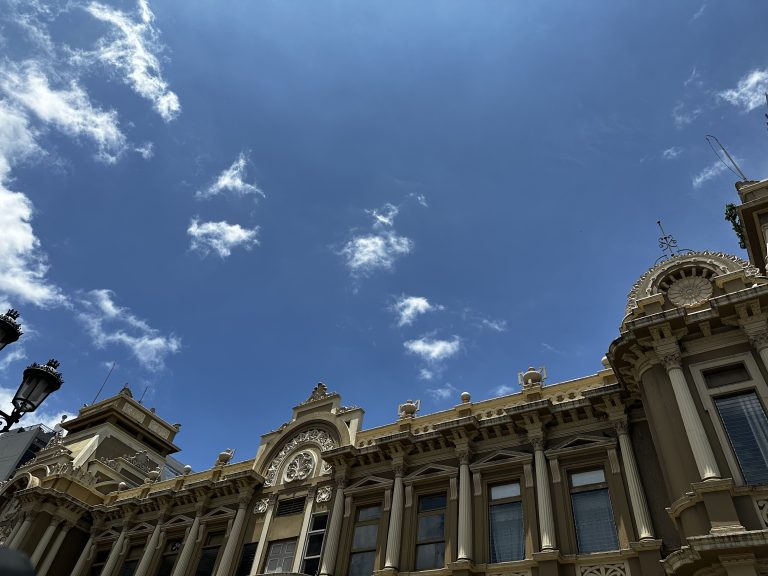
(235, 200)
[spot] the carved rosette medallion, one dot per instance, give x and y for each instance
(300, 467)
(324, 494)
(261, 506)
(320, 438)
(690, 291)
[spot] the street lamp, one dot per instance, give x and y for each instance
(38, 381)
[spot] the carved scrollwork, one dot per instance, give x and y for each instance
(315, 436)
(300, 467)
(603, 570)
(762, 509)
(261, 506)
(324, 494)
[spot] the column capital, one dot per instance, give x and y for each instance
(537, 442)
(671, 360)
(398, 467)
(621, 426)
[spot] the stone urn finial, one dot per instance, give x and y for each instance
(408, 409)
(225, 457)
(466, 397)
(532, 377)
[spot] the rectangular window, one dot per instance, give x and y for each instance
(280, 556)
(364, 539)
(131, 561)
(98, 562)
(209, 554)
(246, 559)
(505, 516)
(168, 559)
(314, 545)
(430, 532)
(725, 375)
(288, 507)
(746, 425)
(592, 513)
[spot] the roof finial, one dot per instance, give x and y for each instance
(668, 245)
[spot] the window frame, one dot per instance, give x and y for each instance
(490, 503)
(311, 532)
(372, 522)
(270, 543)
(755, 384)
(604, 485)
(434, 512)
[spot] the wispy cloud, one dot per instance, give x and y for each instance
(433, 351)
(131, 50)
(503, 390)
(69, 110)
(443, 393)
(107, 324)
(708, 173)
(42, 415)
(495, 325)
(366, 253)
(408, 308)
(232, 180)
(9, 358)
(221, 237)
(671, 153)
(682, 116)
(694, 78)
(749, 92)
(699, 12)
(146, 150)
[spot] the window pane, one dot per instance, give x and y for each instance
(207, 561)
(369, 513)
(361, 563)
(745, 422)
(364, 537)
(280, 556)
(311, 566)
(314, 544)
(434, 502)
(166, 566)
(431, 527)
(506, 532)
(588, 477)
(505, 491)
(724, 375)
(319, 522)
(592, 515)
(430, 556)
(129, 567)
(246, 559)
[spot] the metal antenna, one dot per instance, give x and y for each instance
(766, 103)
(668, 245)
(104, 383)
(142, 394)
(738, 171)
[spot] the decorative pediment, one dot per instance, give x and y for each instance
(141, 527)
(431, 471)
(220, 512)
(501, 457)
(108, 534)
(369, 483)
(179, 520)
(580, 443)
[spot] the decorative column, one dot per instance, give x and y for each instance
(465, 507)
(190, 543)
(151, 549)
(15, 529)
(266, 507)
(636, 494)
(759, 339)
(51, 556)
(334, 531)
(42, 544)
(235, 533)
(21, 532)
(543, 496)
(694, 429)
(85, 555)
(114, 555)
(395, 532)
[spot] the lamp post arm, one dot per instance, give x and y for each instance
(10, 419)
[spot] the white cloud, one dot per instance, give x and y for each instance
(503, 390)
(495, 325)
(749, 92)
(108, 324)
(70, 110)
(384, 217)
(694, 78)
(365, 254)
(699, 12)
(409, 307)
(8, 358)
(708, 173)
(40, 416)
(146, 150)
(130, 49)
(221, 237)
(232, 180)
(23, 266)
(671, 153)
(443, 393)
(682, 116)
(433, 351)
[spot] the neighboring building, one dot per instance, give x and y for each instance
(658, 463)
(20, 445)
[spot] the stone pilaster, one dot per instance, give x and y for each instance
(395, 532)
(190, 543)
(334, 531)
(86, 556)
(261, 547)
(110, 568)
(543, 496)
(636, 495)
(21, 533)
(694, 429)
(235, 535)
(42, 544)
(151, 550)
(464, 551)
(54, 550)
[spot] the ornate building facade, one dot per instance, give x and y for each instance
(658, 463)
